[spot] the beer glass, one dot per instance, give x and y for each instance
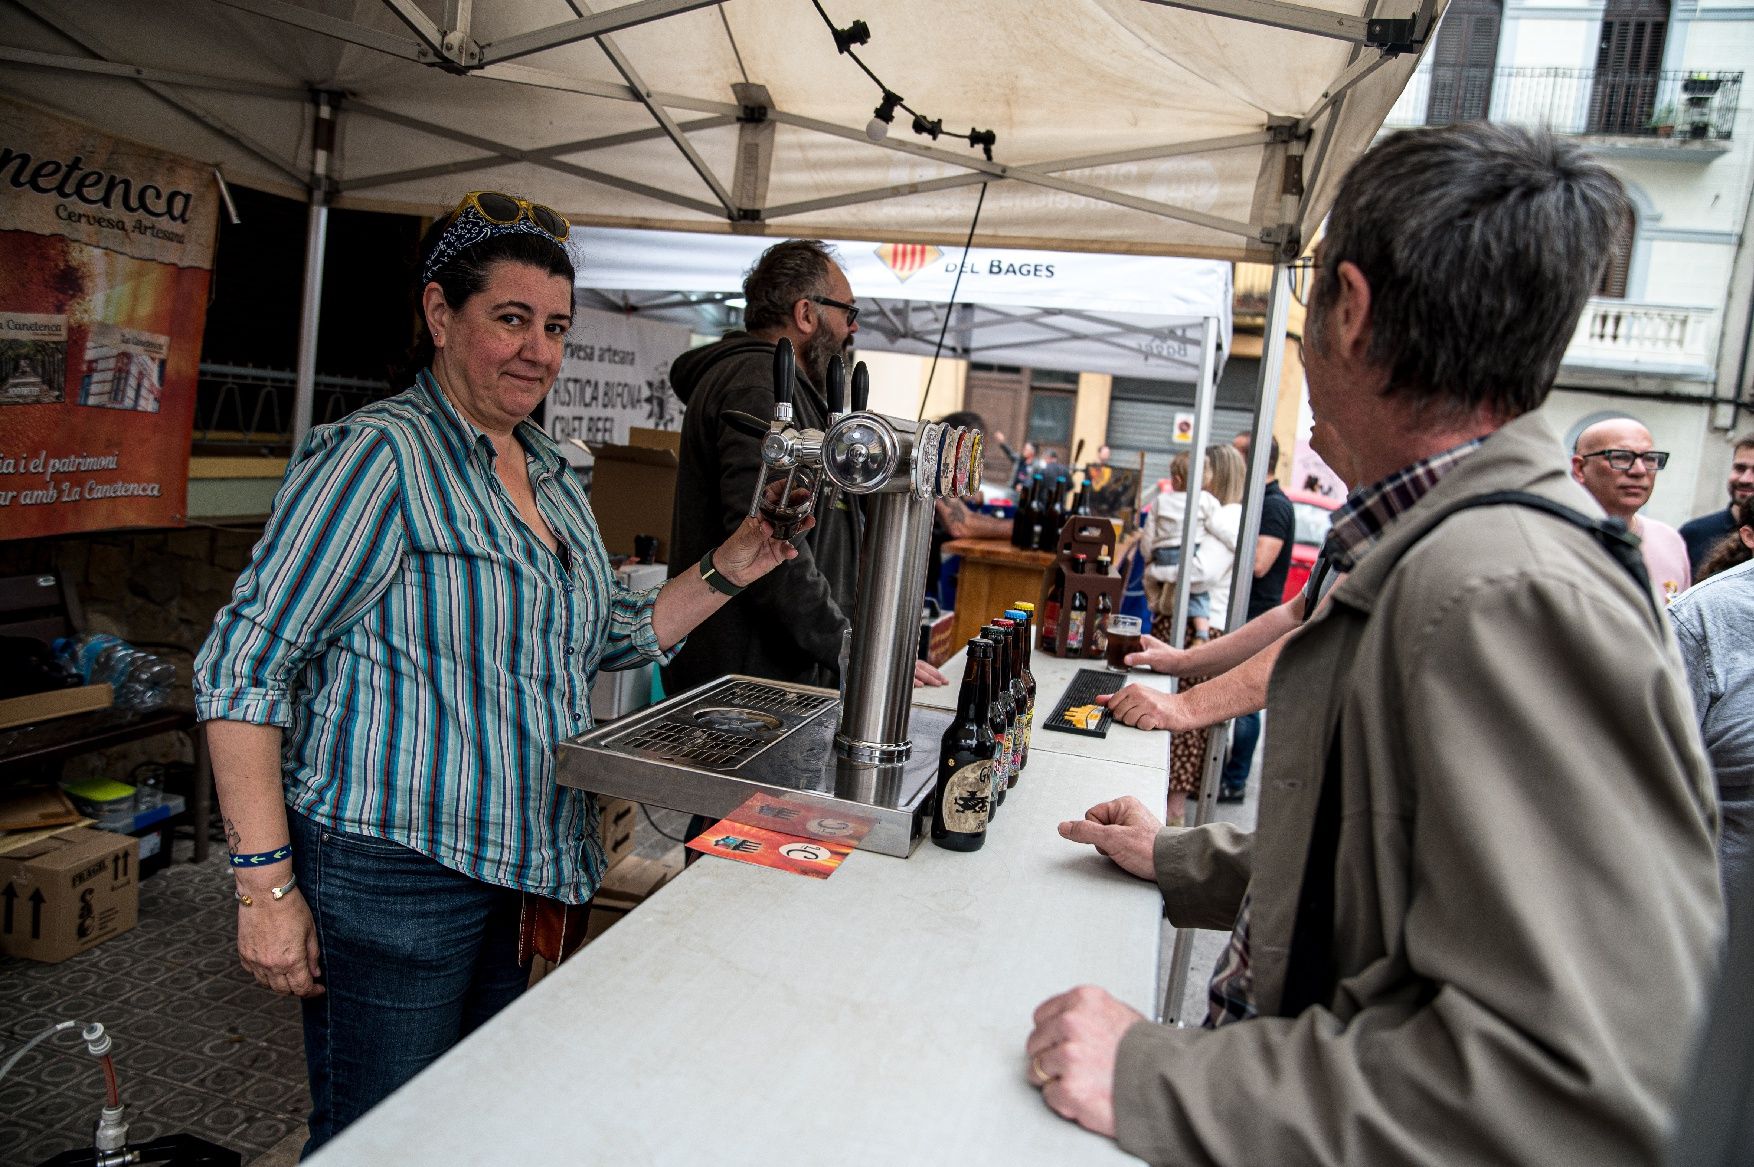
(1123, 637)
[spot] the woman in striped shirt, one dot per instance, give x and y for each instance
(416, 631)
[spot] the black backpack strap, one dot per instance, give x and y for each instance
(1612, 534)
(1310, 972)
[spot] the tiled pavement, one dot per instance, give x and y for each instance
(199, 1047)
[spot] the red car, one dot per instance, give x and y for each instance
(1313, 514)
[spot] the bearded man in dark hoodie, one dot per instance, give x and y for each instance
(789, 626)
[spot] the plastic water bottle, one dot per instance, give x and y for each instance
(148, 787)
(141, 680)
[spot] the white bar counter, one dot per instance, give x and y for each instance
(746, 1015)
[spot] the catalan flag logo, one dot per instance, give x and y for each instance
(904, 259)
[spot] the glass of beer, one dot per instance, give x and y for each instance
(1123, 637)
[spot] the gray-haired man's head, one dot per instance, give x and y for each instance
(1481, 244)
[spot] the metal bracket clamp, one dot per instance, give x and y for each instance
(1394, 36)
(873, 753)
(1285, 239)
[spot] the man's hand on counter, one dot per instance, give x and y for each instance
(1072, 1054)
(1146, 708)
(1159, 657)
(925, 674)
(1123, 830)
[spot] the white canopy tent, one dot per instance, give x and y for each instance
(1131, 315)
(1210, 128)
(1201, 128)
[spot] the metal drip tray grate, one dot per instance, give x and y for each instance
(754, 695)
(714, 748)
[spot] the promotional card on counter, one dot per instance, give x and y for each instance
(770, 831)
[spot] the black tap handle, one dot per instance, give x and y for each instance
(783, 371)
(861, 386)
(837, 385)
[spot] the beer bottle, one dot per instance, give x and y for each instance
(1099, 635)
(1050, 613)
(1020, 529)
(1012, 623)
(1004, 712)
(1079, 606)
(1036, 522)
(962, 797)
(1085, 490)
(1026, 611)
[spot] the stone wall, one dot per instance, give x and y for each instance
(158, 590)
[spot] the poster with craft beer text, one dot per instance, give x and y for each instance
(103, 297)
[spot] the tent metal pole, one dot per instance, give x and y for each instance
(1205, 397)
(316, 235)
(329, 26)
(1242, 577)
(131, 72)
(587, 27)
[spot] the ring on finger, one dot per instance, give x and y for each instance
(1040, 1076)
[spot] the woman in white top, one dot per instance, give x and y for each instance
(1214, 562)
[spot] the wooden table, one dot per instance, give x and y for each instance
(994, 575)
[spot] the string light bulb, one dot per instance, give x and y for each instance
(877, 129)
(882, 117)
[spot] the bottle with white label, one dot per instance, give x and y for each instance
(962, 797)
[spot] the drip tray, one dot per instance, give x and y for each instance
(708, 750)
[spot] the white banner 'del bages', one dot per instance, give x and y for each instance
(615, 376)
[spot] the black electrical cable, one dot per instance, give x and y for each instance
(984, 139)
(950, 307)
(647, 811)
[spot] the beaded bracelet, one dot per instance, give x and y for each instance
(262, 858)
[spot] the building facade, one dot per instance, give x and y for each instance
(1656, 91)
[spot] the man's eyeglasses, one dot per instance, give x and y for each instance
(851, 310)
(504, 209)
(1653, 460)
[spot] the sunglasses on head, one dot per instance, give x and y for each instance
(505, 209)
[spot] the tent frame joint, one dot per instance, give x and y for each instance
(753, 115)
(1285, 239)
(1395, 36)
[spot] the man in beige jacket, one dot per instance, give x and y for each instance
(1478, 920)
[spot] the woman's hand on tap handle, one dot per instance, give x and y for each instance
(752, 551)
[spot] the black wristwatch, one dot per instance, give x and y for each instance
(715, 579)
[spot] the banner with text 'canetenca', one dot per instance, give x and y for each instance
(103, 297)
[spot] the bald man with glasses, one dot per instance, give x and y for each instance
(1616, 461)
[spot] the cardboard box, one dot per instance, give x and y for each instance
(55, 703)
(61, 895)
(936, 643)
(615, 831)
(633, 489)
(625, 886)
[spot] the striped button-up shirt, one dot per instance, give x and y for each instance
(423, 650)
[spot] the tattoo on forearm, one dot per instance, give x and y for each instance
(233, 839)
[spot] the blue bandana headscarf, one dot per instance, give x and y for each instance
(468, 229)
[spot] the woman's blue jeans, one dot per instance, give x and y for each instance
(415, 957)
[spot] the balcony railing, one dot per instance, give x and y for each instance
(1676, 104)
(1621, 334)
(239, 406)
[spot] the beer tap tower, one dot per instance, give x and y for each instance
(710, 749)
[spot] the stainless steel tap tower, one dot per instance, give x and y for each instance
(709, 749)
